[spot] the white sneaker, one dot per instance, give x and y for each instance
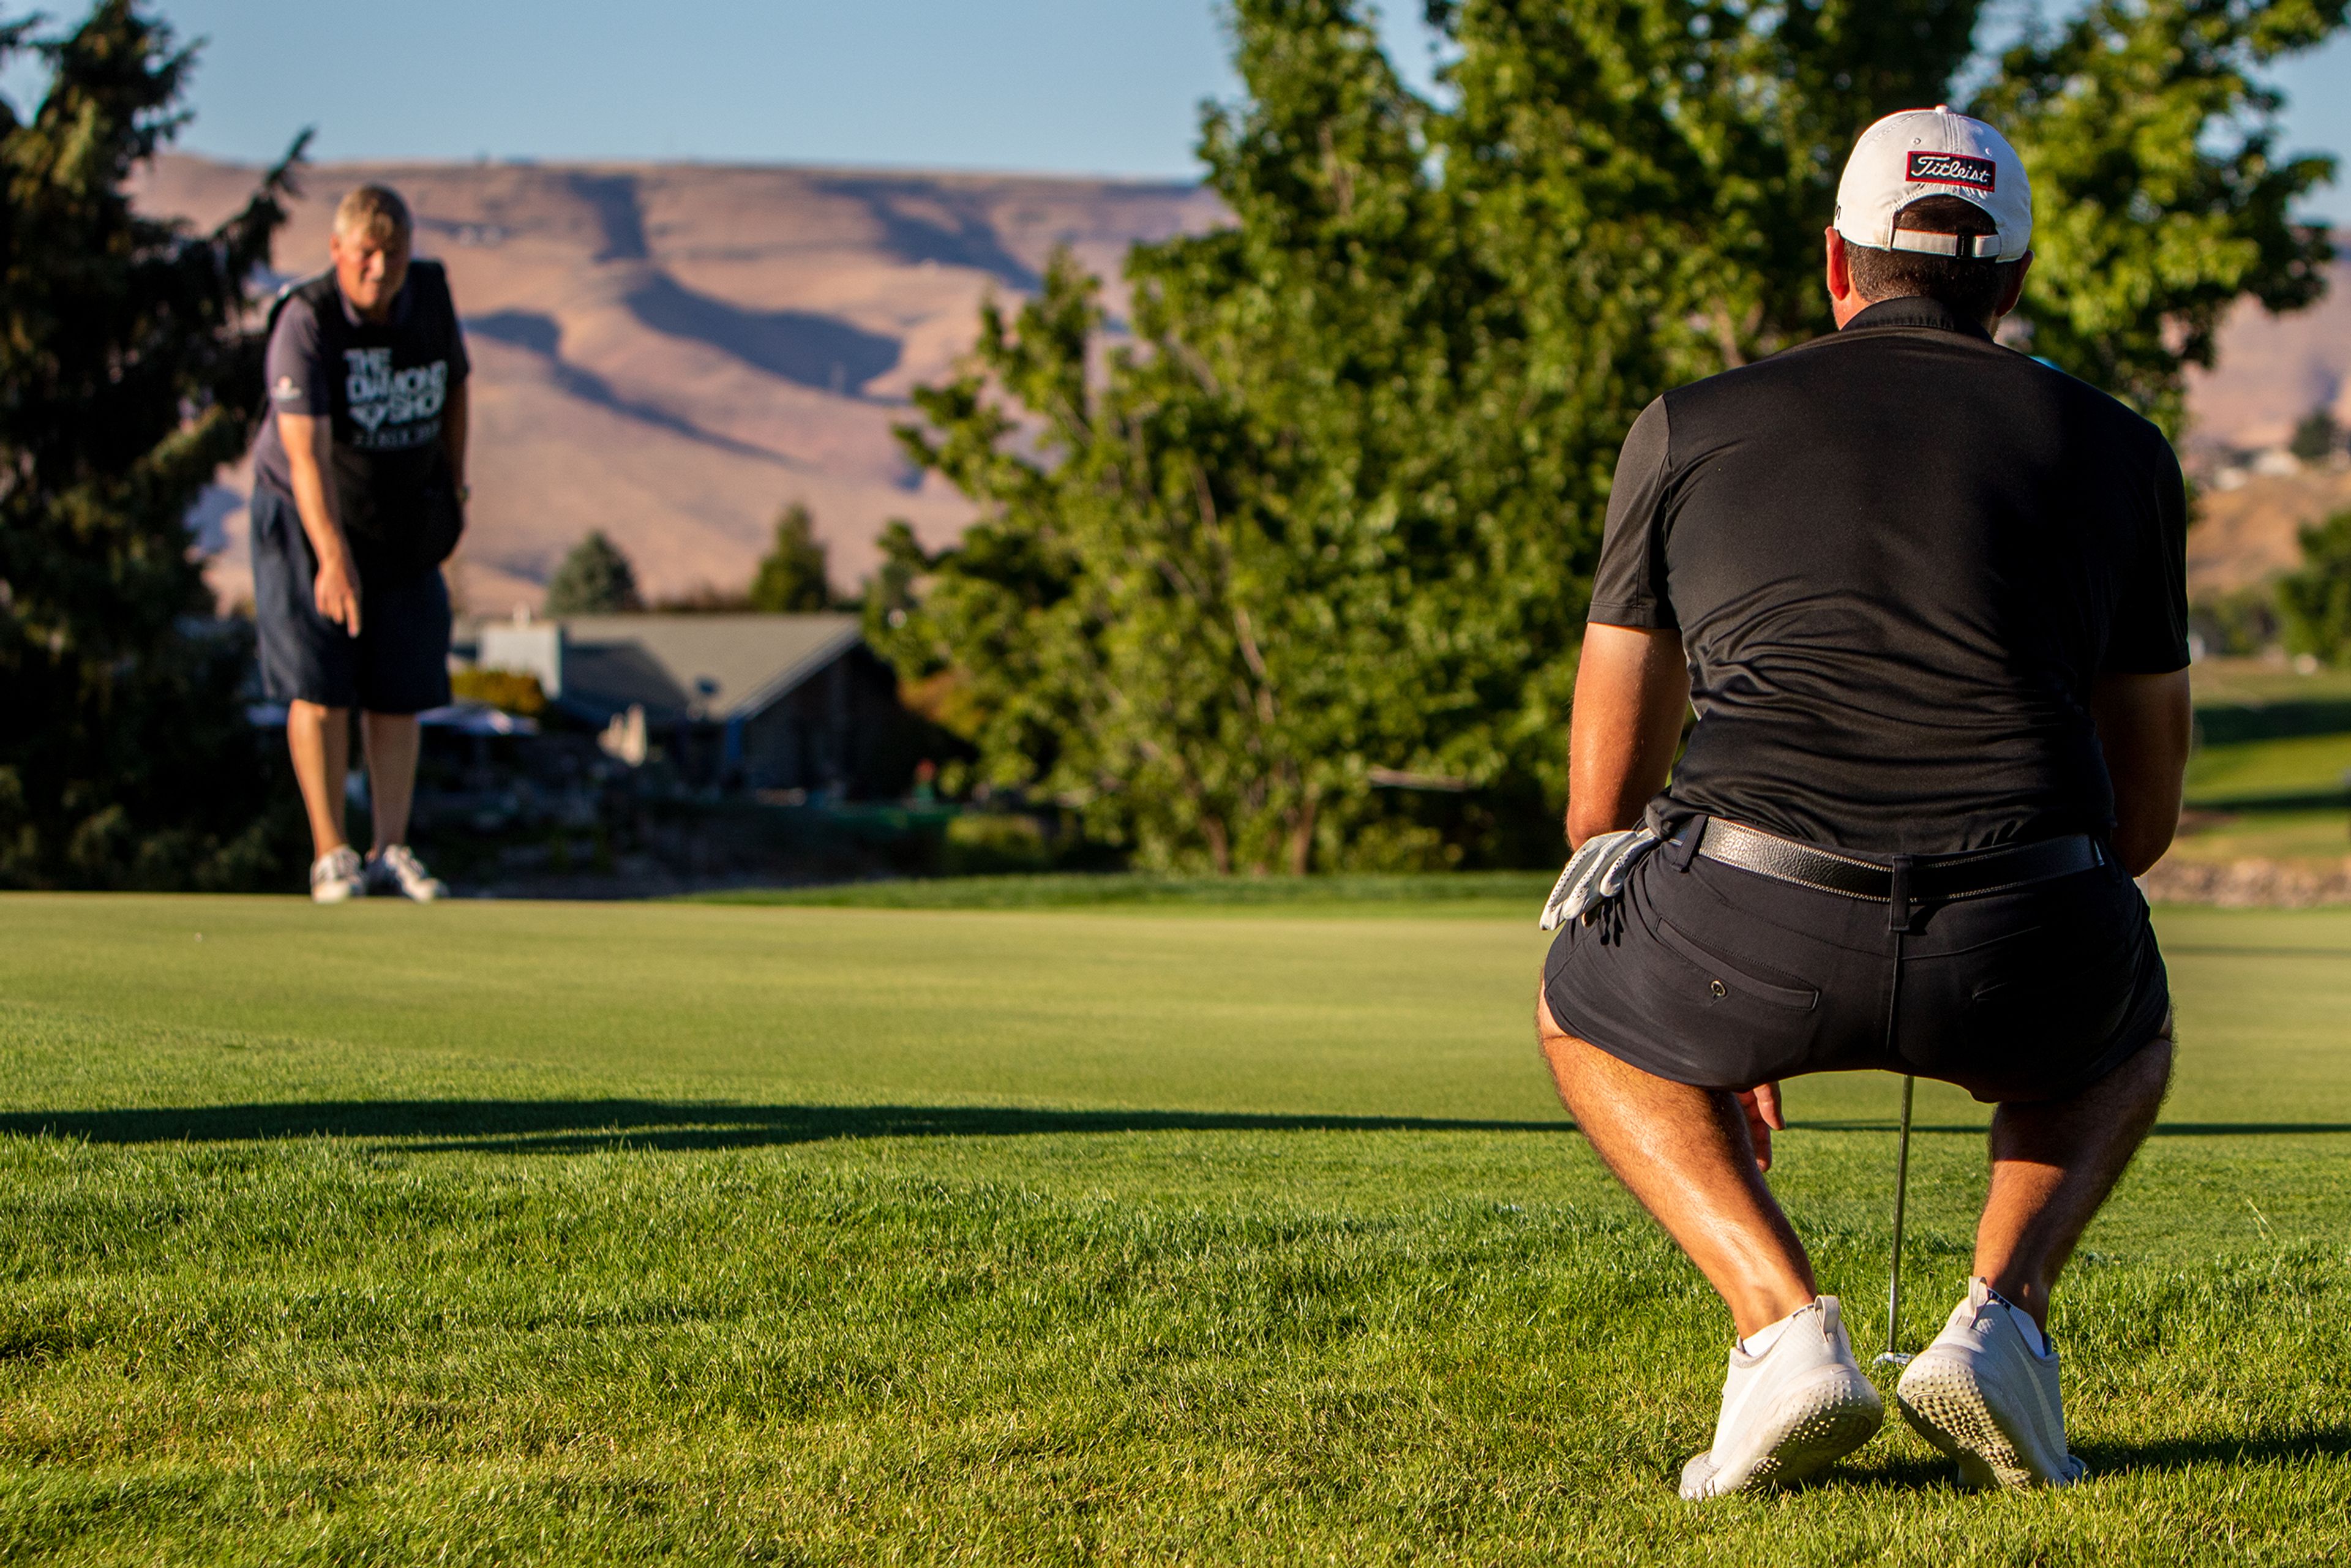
(397, 870)
(1983, 1394)
(1800, 1405)
(337, 876)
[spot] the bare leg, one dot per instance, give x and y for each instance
(319, 740)
(2053, 1164)
(1686, 1155)
(392, 746)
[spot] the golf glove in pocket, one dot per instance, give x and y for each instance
(1595, 874)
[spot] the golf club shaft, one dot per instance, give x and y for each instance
(1901, 1192)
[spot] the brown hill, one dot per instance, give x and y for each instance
(2273, 369)
(2245, 536)
(669, 353)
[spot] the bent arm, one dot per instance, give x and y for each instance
(1631, 689)
(2143, 723)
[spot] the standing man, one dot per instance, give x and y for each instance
(359, 495)
(1928, 597)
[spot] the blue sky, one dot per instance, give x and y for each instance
(1072, 86)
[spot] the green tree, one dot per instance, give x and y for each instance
(1325, 529)
(127, 378)
(594, 579)
(2316, 602)
(790, 580)
(2159, 197)
(2316, 437)
(892, 591)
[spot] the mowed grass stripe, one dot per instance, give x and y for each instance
(790, 1300)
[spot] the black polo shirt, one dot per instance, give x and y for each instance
(1898, 555)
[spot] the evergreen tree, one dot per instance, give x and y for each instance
(2316, 437)
(790, 580)
(1327, 527)
(593, 579)
(127, 378)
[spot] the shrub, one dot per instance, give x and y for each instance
(507, 690)
(982, 843)
(2316, 600)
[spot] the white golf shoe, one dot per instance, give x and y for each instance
(1984, 1394)
(1799, 1406)
(397, 870)
(337, 876)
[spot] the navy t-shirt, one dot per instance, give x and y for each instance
(1898, 555)
(384, 386)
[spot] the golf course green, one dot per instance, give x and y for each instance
(1144, 1230)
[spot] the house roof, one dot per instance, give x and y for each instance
(716, 668)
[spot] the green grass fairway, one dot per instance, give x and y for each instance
(2247, 773)
(2283, 798)
(2321, 836)
(1141, 1233)
(2255, 683)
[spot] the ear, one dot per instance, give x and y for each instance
(1843, 303)
(2015, 292)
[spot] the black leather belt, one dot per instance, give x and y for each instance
(1923, 879)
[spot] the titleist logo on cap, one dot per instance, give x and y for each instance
(1951, 169)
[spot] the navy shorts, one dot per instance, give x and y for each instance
(1707, 975)
(398, 663)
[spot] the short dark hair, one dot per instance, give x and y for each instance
(1970, 286)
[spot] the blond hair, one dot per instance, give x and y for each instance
(374, 213)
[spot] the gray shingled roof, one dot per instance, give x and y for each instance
(712, 667)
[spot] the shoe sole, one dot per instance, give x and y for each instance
(1826, 1423)
(394, 889)
(1944, 1405)
(335, 896)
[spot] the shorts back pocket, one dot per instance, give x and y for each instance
(1724, 980)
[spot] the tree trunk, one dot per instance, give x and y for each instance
(1301, 836)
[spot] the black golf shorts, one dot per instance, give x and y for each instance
(1707, 975)
(398, 663)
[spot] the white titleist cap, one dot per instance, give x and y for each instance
(1935, 152)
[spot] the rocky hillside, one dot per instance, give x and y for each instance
(2272, 370)
(670, 353)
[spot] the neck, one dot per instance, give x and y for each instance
(1844, 307)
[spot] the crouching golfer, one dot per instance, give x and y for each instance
(358, 496)
(1927, 596)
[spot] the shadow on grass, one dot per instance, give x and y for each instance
(1910, 1472)
(1977, 1129)
(2188, 1453)
(561, 1126)
(2222, 950)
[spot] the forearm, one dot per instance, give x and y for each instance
(2145, 723)
(1632, 692)
(2144, 824)
(453, 432)
(309, 459)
